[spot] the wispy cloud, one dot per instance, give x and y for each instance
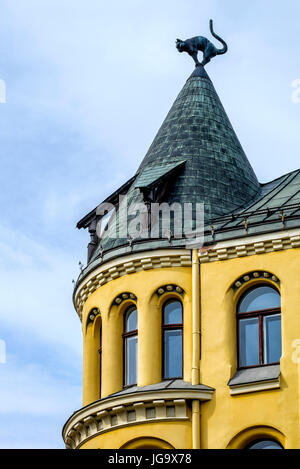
(36, 400)
(88, 84)
(36, 288)
(41, 378)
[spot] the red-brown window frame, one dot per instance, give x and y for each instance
(125, 336)
(166, 327)
(260, 314)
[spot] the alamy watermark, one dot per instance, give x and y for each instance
(2, 92)
(296, 353)
(140, 220)
(296, 93)
(2, 352)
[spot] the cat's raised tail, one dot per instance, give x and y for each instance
(225, 47)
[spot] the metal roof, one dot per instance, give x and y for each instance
(154, 174)
(277, 207)
(197, 151)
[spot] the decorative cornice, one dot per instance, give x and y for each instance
(132, 409)
(127, 265)
(249, 246)
(164, 258)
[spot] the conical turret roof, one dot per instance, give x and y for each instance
(198, 131)
(195, 157)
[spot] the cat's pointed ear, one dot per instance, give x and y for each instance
(178, 40)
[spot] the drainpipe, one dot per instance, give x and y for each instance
(196, 423)
(196, 317)
(196, 346)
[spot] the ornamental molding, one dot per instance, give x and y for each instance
(249, 246)
(124, 297)
(95, 312)
(166, 258)
(169, 288)
(122, 411)
(162, 258)
(255, 275)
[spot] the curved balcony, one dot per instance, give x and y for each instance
(165, 401)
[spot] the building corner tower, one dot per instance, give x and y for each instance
(181, 340)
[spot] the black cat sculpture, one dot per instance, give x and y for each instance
(193, 45)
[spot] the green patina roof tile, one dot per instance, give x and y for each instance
(197, 131)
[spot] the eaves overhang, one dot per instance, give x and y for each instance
(112, 199)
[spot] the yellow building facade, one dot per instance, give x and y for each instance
(194, 346)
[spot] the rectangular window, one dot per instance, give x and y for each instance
(173, 353)
(131, 360)
(272, 338)
(249, 342)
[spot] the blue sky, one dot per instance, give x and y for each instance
(88, 85)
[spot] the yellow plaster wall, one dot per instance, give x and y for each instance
(226, 416)
(176, 434)
(143, 285)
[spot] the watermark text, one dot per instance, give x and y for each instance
(296, 93)
(2, 352)
(2, 92)
(139, 220)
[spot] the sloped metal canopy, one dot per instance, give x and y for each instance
(154, 175)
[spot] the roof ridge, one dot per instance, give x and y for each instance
(284, 183)
(279, 177)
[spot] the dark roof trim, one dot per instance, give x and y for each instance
(173, 384)
(152, 176)
(255, 375)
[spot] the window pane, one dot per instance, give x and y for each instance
(272, 338)
(265, 444)
(249, 342)
(173, 312)
(173, 354)
(260, 298)
(131, 360)
(131, 320)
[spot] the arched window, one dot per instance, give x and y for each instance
(259, 327)
(147, 443)
(172, 339)
(130, 346)
(264, 444)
